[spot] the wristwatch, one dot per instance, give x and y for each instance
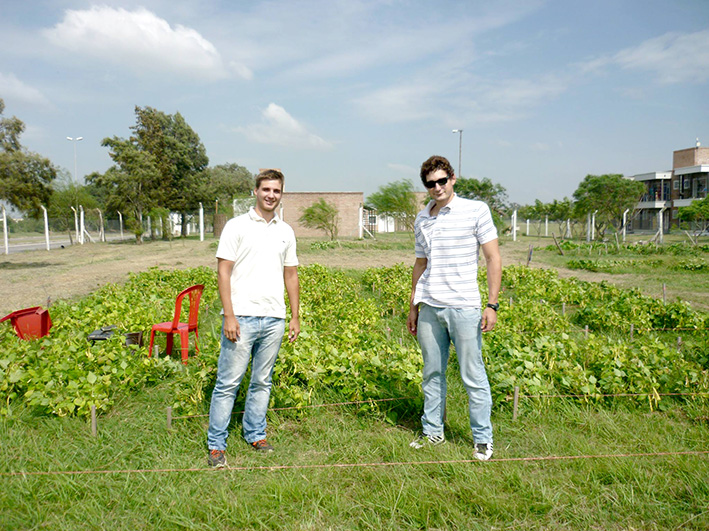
(493, 306)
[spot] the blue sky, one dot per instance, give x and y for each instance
(347, 95)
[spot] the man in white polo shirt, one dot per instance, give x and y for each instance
(256, 260)
(446, 305)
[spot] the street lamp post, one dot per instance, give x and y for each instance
(460, 147)
(75, 140)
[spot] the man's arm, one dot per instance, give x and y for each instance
(412, 320)
(491, 250)
(290, 278)
(231, 325)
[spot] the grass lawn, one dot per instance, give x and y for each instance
(170, 487)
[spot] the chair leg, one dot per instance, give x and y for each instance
(168, 346)
(152, 340)
(185, 344)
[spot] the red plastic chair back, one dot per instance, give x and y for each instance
(30, 323)
(195, 294)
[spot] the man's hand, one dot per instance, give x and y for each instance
(293, 329)
(231, 328)
(489, 319)
(412, 320)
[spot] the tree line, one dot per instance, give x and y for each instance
(162, 167)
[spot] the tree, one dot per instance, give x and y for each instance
(225, 182)
(494, 195)
(160, 165)
(65, 195)
(323, 216)
(398, 200)
(697, 212)
(132, 185)
(25, 176)
(179, 157)
(610, 195)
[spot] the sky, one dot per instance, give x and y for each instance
(349, 95)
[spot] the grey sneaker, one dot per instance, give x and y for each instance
(216, 458)
(483, 451)
(427, 440)
(262, 446)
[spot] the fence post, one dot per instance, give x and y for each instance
(93, 421)
(201, 223)
(563, 308)
(4, 230)
(81, 225)
(585, 332)
(120, 223)
(546, 226)
(515, 403)
(679, 343)
(46, 226)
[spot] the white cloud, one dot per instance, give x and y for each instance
(12, 88)
(673, 57)
(280, 128)
(141, 41)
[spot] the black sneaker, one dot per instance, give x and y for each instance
(216, 458)
(483, 451)
(427, 440)
(262, 446)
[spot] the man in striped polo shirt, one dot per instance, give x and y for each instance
(446, 305)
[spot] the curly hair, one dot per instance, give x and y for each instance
(435, 163)
(269, 175)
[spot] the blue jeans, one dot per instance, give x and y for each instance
(436, 328)
(261, 339)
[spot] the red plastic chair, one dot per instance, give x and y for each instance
(30, 323)
(176, 327)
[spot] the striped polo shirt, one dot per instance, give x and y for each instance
(450, 241)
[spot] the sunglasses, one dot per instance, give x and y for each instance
(439, 182)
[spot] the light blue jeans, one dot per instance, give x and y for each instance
(436, 328)
(261, 340)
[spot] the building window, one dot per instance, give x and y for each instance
(686, 184)
(675, 184)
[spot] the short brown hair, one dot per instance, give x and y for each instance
(435, 163)
(269, 175)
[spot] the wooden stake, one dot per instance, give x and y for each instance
(561, 251)
(93, 421)
(585, 331)
(563, 308)
(515, 403)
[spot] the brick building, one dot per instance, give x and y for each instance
(348, 204)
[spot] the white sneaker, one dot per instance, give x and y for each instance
(427, 440)
(483, 451)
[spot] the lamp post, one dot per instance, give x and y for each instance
(75, 140)
(460, 146)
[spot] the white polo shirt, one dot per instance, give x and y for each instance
(259, 250)
(450, 241)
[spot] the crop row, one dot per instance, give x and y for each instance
(353, 343)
